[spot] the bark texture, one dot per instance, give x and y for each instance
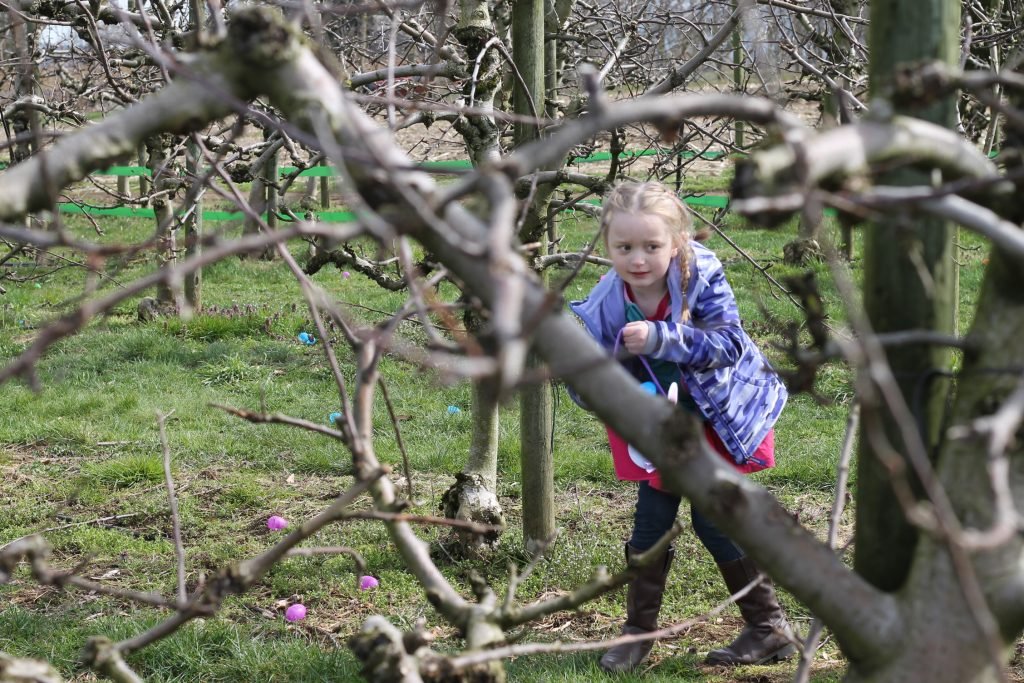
(909, 283)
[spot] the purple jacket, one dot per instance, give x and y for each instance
(731, 382)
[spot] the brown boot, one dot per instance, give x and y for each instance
(643, 602)
(766, 637)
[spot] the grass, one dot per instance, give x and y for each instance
(85, 447)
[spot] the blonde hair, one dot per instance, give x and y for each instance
(654, 199)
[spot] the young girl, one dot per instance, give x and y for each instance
(667, 302)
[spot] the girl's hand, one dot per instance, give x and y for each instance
(635, 335)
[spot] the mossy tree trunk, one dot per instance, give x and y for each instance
(952, 639)
(910, 280)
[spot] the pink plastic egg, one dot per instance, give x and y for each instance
(295, 612)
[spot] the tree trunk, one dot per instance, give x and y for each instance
(475, 32)
(165, 182)
(909, 283)
(483, 447)
(263, 190)
(21, 122)
(473, 496)
(946, 643)
(193, 226)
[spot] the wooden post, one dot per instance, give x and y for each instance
(535, 400)
(144, 181)
(325, 188)
(737, 80)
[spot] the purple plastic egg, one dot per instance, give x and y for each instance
(295, 612)
(367, 582)
(276, 523)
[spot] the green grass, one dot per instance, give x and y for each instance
(124, 472)
(85, 447)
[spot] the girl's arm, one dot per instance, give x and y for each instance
(712, 337)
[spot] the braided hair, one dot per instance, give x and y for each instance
(654, 199)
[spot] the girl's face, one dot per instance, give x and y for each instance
(641, 246)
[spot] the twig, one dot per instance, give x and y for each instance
(473, 527)
(810, 644)
(472, 659)
(311, 292)
(35, 549)
(179, 547)
(331, 550)
(241, 577)
(601, 583)
(71, 322)
(398, 437)
(278, 418)
(72, 524)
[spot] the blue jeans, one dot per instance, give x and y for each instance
(656, 512)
